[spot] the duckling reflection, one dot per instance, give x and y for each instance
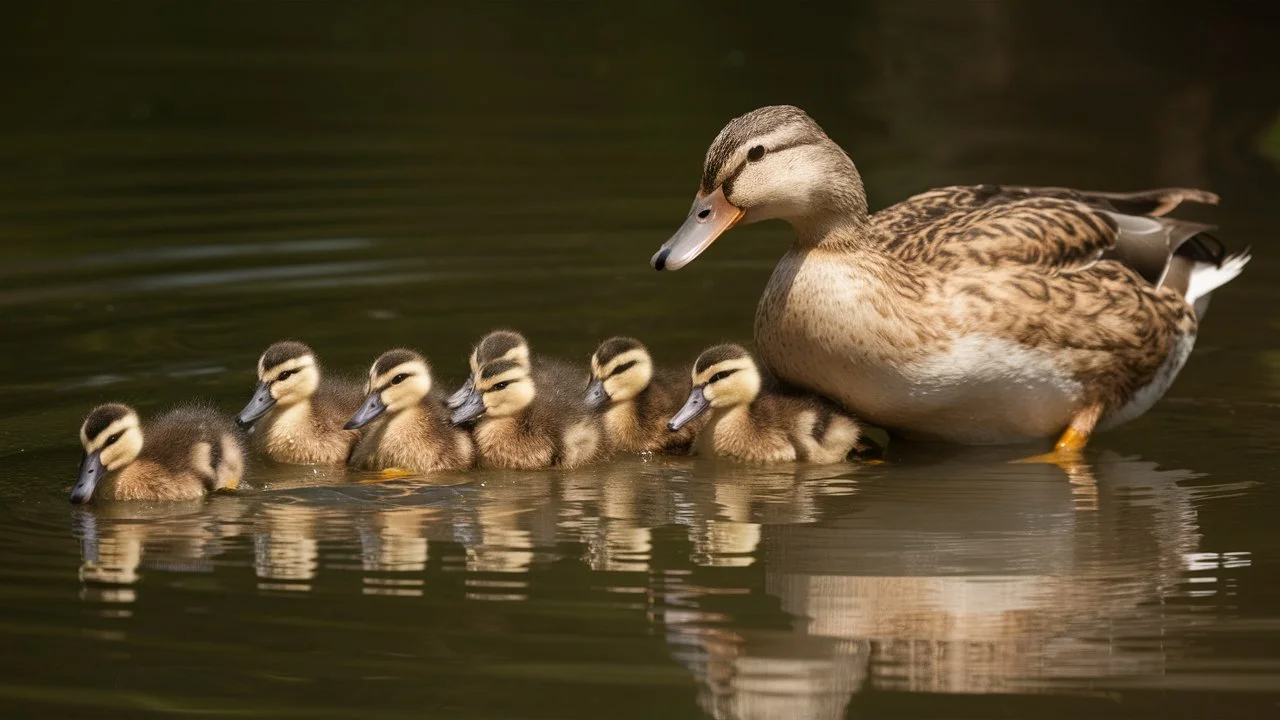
(530, 418)
(296, 413)
(1004, 584)
(757, 424)
(117, 541)
(189, 452)
(411, 428)
(638, 399)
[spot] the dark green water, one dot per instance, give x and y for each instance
(183, 183)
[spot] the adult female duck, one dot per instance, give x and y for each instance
(982, 314)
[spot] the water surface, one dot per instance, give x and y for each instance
(185, 183)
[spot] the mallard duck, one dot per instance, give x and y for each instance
(412, 429)
(751, 422)
(188, 452)
(531, 417)
(497, 345)
(638, 399)
(297, 414)
(982, 314)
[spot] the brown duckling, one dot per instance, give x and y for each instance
(297, 415)
(189, 451)
(531, 417)
(497, 345)
(638, 399)
(761, 425)
(411, 428)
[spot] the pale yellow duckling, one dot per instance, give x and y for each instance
(497, 345)
(296, 413)
(638, 399)
(979, 314)
(188, 452)
(531, 417)
(755, 424)
(410, 427)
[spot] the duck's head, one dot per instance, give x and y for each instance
(621, 368)
(503, 388)
(723, 376)
(288, 373)
(497, 345)
(112, 438)
(774, 162)
(399, 379)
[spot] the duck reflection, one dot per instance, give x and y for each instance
(961, 576)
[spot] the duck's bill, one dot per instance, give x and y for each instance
(258, 405)
(468, 411)
(711, 215)
(91, 471)
(693, 407)
(459, 397)
(371, 408)
(596, 397)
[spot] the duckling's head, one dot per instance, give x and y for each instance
(723, 376)
(398, 380)
(112, 438)
(621, 368)
(773, 162)
(503, 389)
(288, 373)
(497, 345)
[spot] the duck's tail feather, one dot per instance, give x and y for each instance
(1207, 277)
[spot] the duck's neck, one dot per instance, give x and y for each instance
(836, 217)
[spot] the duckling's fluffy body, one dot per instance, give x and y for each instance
(751, 420)
(303, 422)
(179, 455)
(413, 431)
(534, 416)
(639, 398)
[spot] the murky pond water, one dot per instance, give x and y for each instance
(185, 183)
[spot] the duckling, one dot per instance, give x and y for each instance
(189, 451)
(499, 344)
(757, 425)
(529, 418)
(638, 399)
(413, 431)
(302, 414)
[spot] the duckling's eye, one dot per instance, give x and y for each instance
(721, 375)
(111, 440)
(755, 153)
(502, 385)
(399, 378)
(623, 368)
(285, 375)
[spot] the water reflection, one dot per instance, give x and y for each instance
(783, 591)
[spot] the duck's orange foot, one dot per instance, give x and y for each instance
(391, 474)
(1067, 454)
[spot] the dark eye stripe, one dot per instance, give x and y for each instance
(728, 182)
(623, 367)
(722, 375)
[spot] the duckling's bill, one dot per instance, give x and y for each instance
(693, 407)
(258, 406)
(91, 471)
(471, 409)
(461, 395)
(712, 214)
(596, 397)
(372, 407)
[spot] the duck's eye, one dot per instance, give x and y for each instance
(111, 440)
(720, 376)
(755, 153)
(285, 375)
(623, 368)
(502, 385)
(399, 378)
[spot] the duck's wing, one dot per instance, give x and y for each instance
(1057, 229)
